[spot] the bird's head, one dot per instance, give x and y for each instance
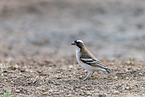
(78, 43)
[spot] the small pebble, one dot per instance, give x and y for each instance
(69, 95)
(116, 92)
(59, 77)
(89, 93)
(116, 77)
(70, 66)
(127, 88)
(58, 71)
(17, 91)
(102, 95)
(22, 70)
(50, 91)
(140, 74)
(80, 76)
(85, 71)
(43, 90)
(45, 93)
(69, 70)
(56, 93)
(109, 83)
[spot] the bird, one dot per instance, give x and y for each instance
(87, 60)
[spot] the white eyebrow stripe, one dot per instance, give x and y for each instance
(86, 59)
(79, 41)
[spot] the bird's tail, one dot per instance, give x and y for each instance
(109, 72)
(105, 70)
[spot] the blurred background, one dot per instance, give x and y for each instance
(45, 28)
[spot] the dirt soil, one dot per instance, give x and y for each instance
(36, 58)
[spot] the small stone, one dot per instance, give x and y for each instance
(96, 94)
(77, 86)
(89, 93)
(57, 83)
(70, 66)
(102, 95)
(69, 70)
(69, 95)
(116, 92)
(140, 74)
(58, 71)
(89, 88)
(5, 71)
(16, 66)
(56, 93)
(81, 94)
(127, 88)
(45, 93)
(43, 90)
(116, 77)
(85, 71)
(17, 91)
(50, 91)
(59, 77)
(80, 77)
(109, 83)
(22, 70)
(1, 92)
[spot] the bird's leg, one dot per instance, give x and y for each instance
(89, 74)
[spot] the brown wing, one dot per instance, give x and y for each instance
(88, 58)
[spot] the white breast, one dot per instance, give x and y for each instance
(86, 66)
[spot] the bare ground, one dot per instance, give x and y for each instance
(36, 58)
(46, 78)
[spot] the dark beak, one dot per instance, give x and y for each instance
(73, 43)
